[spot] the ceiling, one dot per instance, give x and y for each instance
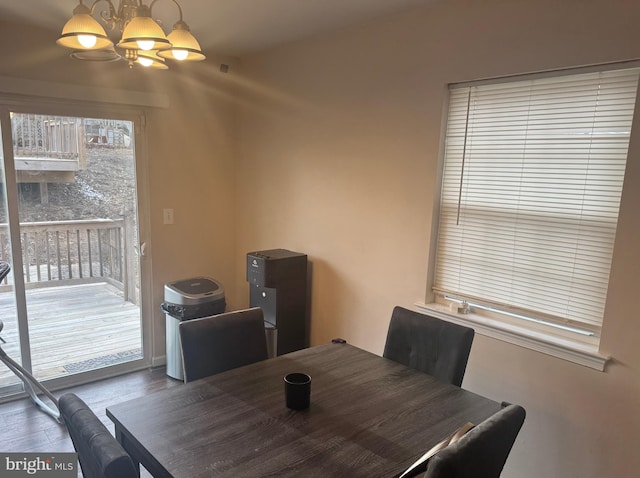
(230, 27)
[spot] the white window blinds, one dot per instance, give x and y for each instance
(530, 193)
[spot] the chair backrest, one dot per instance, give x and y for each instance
(483, 451)
(221, 342)
(99, 453)
(428, 344)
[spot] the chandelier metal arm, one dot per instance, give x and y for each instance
(174, 1)
(115, 17)
(110, 18)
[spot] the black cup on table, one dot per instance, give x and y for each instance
(297, 390)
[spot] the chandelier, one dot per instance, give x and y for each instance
(142, 39)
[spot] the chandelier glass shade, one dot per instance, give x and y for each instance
(185, 45)
(83, 32)
(142, 39)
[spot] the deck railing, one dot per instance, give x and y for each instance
(65, 252)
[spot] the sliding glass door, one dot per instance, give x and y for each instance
(70, 228)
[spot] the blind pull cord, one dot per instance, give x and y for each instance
(464, 156)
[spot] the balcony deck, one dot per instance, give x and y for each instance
(72, 329)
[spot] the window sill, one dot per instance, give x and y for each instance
(565, 348)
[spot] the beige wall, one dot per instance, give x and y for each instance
(191, 170)
(338, 157)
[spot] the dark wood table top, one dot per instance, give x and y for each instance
(369, 417)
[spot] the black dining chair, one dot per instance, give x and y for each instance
(221, 342)
(420, 465)
(483, 451)
(99, 453)
(431, 345)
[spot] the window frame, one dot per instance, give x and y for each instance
(581, 348)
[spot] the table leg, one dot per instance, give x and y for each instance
(123, 441)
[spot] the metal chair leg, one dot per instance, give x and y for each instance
(29, 381)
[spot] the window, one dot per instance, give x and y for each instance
(532, 179)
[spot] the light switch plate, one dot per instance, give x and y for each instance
(168, 216)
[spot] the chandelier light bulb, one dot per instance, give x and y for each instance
(145, 45)
(148, 59)
(180, 54)
(87, 41)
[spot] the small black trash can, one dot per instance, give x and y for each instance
(184, 300)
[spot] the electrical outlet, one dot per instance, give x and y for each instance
(168, 216)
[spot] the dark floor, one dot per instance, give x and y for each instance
(24, 428)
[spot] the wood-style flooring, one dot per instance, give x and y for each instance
(24, 428)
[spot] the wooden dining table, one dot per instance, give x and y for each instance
(368, 417)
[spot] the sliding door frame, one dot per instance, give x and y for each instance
(84, 109)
